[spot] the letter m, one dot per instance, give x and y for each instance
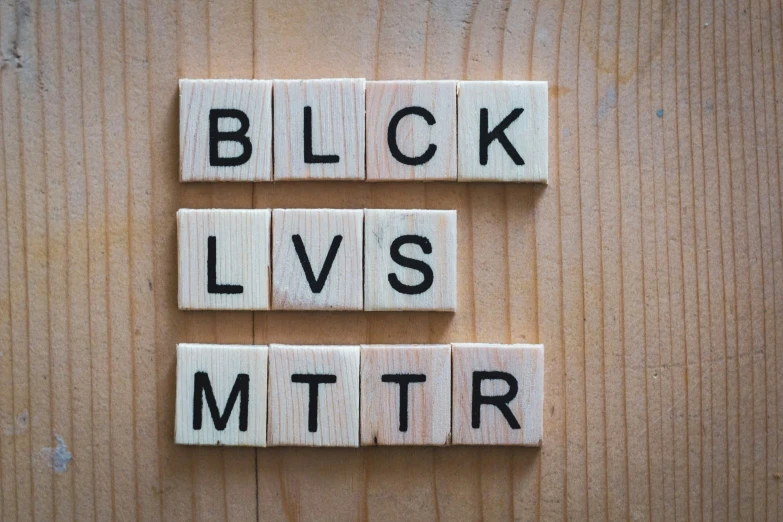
(203, 388)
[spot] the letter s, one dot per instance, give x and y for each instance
(415, 264)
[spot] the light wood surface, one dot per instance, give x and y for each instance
(337, 285)
(425, 414)
(497, 394)
(410, 260)
(224, 259)
(650, 267)
(414, 135)
(503, 131)
(313, 395)
(221, 374)
(335, 108)
(248, 161)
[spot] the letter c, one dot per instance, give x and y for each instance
(391, 136)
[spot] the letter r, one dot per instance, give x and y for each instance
(498, 401)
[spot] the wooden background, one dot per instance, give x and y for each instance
(651, 267)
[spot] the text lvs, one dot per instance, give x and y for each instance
(317, 259)
(285, 395)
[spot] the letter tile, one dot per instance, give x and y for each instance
(503, 131)
(406, 395)
(410, 260)
(497, 394)
(319, 129)
(313, 395)
(225, 130)
(412, 131)
(223, 259)
(317, 259)
(221, 395)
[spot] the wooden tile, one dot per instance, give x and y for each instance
(225, 130)
(223, 259)
(412, 130)
(410, 260)
(406, 395)
(497, 394)
(503, 131)
(221, 394)
(313, 395)
(317, 259)
(319, 129)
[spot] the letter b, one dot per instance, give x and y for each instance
(239, 136)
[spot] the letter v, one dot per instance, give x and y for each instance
(316, 285)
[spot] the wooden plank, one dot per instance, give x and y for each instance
(226, 53)
(32, 371)
(715, 373)
(317, 259)
(608, 191)
(649, 266)
(17, 465)
(405, 395)
(632, 331)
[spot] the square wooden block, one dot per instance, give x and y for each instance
(223, 259)
(225, 130)
(412, 131)
(313, 395)
(221, 395)
(317, 259)
(497, 394)
(319, 129)
(503, 131)
(410, 260)
(406, 395)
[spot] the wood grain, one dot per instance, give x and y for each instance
(335, 108)
(497, 394)
(224, 259)
(197, 100)
(322, 411)
(340, 284)
(503, 131)
(427, 407)
(650, 266)
(414, 135)
(396, 239)
(226, 371)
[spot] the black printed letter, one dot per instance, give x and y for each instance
(499, 401)
(498, 133)
(309, 157)
(316, 285)
(403, 379)
(202, 387)
(391, 136)
(212, 286)
(415, 264)
(239, 136)
(312, 408)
